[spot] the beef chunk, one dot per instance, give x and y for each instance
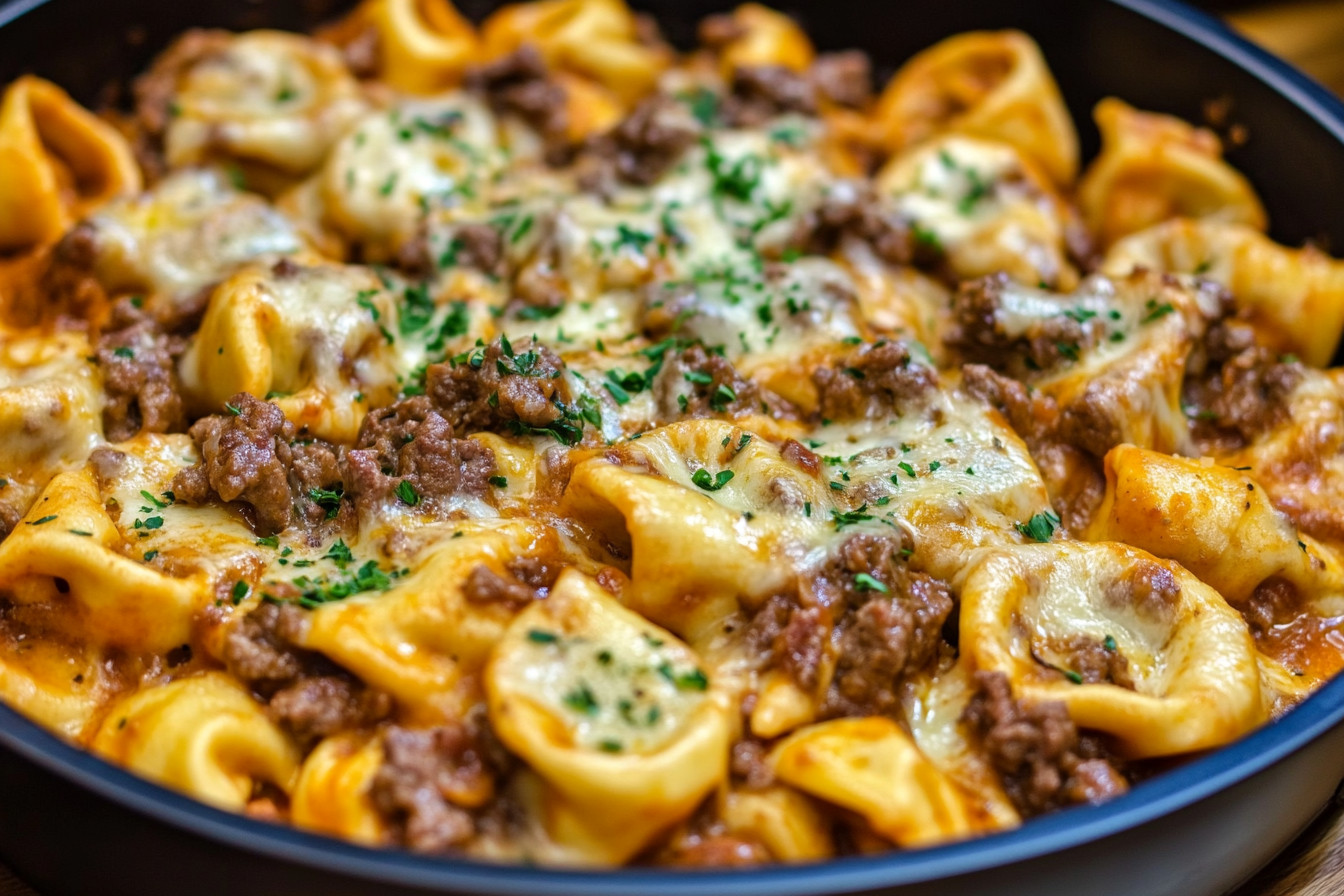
(1031, 416)
(426, 777)
(852, 210)
(761, 92)
(259, 649)
(873, 380)
(1092, 661)
(978, 335)
(1274, 602)
(844, 78)
(307, 694)
(749, 764)
(641, 148)
(1243, 396)
(322, 705)
(411, 442)
(501, 386)
(699, 383)
(523, 580)
(138, 362)
(1037, 751)
(251, 456)
(519, 84)
(884, 634)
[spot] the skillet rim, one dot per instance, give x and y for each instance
(1185, 786)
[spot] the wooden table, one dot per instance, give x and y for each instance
(1310, 33)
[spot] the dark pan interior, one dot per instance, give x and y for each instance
(74, 825)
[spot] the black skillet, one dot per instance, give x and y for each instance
(73, 825)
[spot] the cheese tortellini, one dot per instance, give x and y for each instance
(521, 440)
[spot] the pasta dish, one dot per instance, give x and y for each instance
(527, 441)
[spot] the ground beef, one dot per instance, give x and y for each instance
(410, 442)
(1274, 602)
(519, 84)
(1242, 397)
(322, 705)
(69, 282)
(878, 637)
(883, 635)
(259, 649)
(480, 246)
(363, 53)
(1093, 420)
(977, 336)
(717, 851)
(501, 386)
(641, 148)
(523, 580)
(306, 694)
(1147, 587)
(9, 518)
(426, 777)
(844, 78)
(1093, 662)
(761, 92)
(749, 764)
(1035, 748)
(852, 210)
(139, 366)
(251, 456)
(699, 383)
(540, 282)
(872, 381)
(794, 452)
(1031, 416)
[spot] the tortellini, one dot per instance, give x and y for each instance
(870, 766)
(1154, 167)
(615, 714)
(1133, 646)
(983, 84)
(266, 97)
(1295, 297)
(203, 735)
(58, 162)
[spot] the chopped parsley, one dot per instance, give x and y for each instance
(407, 494)
(704, 480)
(581, 700)
(328, 499)
(1040, 527)
(865, 582)
(1156, 311)
(240, 591)
(339, 553)
(694, 680)
(851, 518)
(498, 481)
(541, 636)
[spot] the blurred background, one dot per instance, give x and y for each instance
(1310, 33)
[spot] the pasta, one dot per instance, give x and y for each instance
(524, 441)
